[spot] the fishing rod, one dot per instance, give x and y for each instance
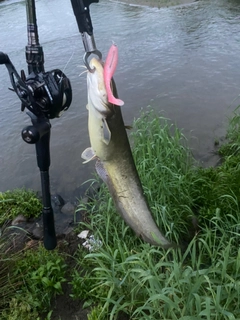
(45, 95)
(82, 14)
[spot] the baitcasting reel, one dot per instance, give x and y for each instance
(45, 94)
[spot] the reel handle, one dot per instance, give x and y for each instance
(32, 134)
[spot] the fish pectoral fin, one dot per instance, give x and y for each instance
(101, 171)
(106, 132)
(88, 155)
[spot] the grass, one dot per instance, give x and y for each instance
(19, 201)
(29, 279)
(8, 284)
(129, 276)
(232, 147)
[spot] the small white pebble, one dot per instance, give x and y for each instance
(83, 234)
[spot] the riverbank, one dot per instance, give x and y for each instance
(157, 3)
(197, 208)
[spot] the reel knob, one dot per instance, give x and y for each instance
(32, 134)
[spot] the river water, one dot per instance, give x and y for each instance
(181, 60)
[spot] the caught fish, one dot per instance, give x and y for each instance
(110, 147)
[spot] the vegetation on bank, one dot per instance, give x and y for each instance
(197, 208)
(31, 277)
(28, 281)
(19, 202)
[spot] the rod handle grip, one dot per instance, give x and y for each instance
(49, 235)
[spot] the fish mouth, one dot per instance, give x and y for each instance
(97, 94)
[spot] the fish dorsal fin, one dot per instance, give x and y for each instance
(106, 132)
(101, 171)
(88, 155)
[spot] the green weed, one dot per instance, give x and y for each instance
(9, 282)
(95, 314)
(19, 201)
(232, 146)
(42, 274)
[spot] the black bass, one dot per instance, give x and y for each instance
(110, 147)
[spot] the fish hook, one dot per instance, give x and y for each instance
(86, 56)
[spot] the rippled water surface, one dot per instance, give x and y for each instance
(182, 60)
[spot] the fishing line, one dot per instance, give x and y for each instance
(85, 71)
(51, 11)
(57, 20)
(68, 62)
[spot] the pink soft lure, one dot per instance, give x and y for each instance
(109, 69)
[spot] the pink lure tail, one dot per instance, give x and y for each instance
(109, 69)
